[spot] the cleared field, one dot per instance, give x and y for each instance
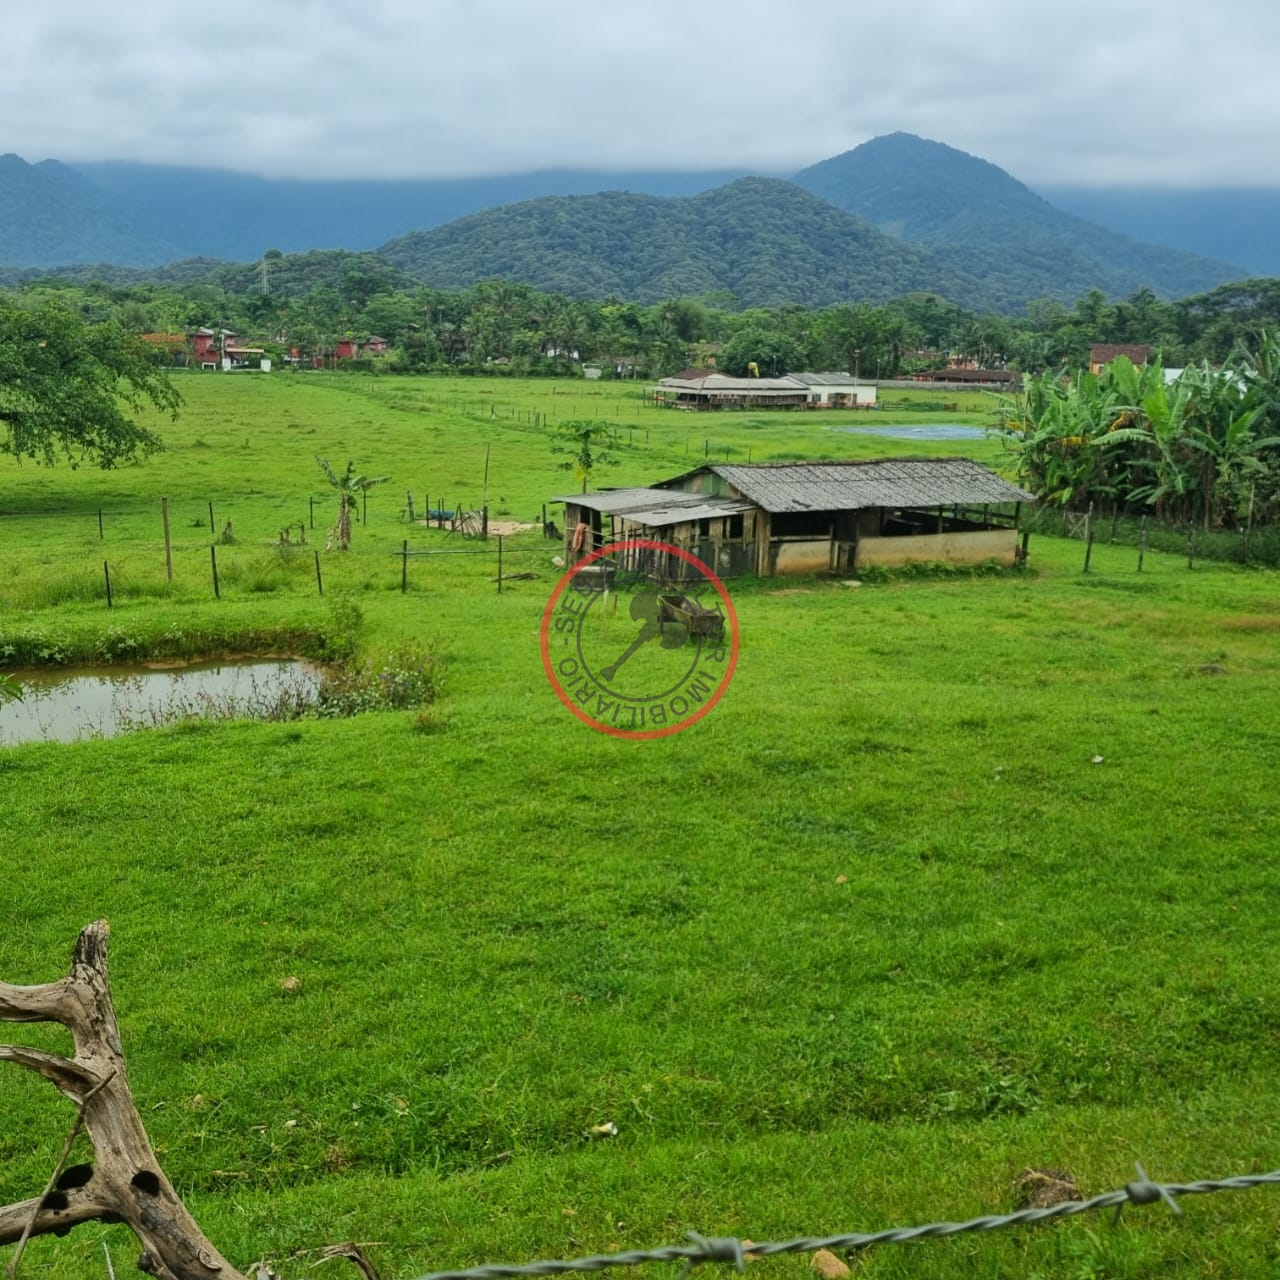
(875, 936)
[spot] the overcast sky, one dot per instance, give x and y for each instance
(1089, 92)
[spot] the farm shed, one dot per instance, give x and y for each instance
(836, 390)
(705, 390)
(774, 519)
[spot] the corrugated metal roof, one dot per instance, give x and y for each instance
(721, 383)
(658, 507)
(830, 380)
(853, 486)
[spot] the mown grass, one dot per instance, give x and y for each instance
(873, 937)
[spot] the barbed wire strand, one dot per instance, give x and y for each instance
(728, 1249)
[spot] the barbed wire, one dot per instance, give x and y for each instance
(731, 1250)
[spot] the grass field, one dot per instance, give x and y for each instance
(872, 938)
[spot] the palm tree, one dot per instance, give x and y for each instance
(349, 486)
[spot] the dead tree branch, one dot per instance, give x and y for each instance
(124, 1183)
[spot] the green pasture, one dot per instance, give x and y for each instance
(878, 934)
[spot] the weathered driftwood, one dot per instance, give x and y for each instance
(125, 1182)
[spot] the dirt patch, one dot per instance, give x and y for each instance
(1252, 622)
(792, 591)
(508, 527)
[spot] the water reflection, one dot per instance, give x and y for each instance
(64, 705)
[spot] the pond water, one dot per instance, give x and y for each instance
(101, 702)
(933, 431)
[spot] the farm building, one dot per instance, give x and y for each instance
(810, 517)
(706, 389)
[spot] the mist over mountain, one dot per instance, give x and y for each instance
(1241, 224)
(947, 222)
(932, 194)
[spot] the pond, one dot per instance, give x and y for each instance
(101, 702)
(933, 431)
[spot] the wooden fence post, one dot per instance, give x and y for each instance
(1191, 546)
(1142, 543)
(213, 557)
(499, 564)
(106, 573)
(319, 580)
(404, 566)
(101, 535)
(168, 548)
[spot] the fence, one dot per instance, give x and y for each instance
(1115, 527)
(727, 1249)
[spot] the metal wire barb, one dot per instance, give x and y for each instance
(728, 1249)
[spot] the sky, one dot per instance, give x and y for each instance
(1093, 92)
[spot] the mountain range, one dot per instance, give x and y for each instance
(897, 214)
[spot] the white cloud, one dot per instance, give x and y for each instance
(1118, 91)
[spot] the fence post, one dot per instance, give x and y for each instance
(168, 549)
(1191, 545)
(101, 535)
(484, 523)
(1088, 545)
(213, 558)
(319, 580)
(106, 573)
(1142, 543)
(499, 564)
(364, 506)
(311, 502)
(211, 525)
(404, 566)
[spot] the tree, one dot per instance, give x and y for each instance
(772, 352)
(349, 486)
(65, 387)
(583, 441)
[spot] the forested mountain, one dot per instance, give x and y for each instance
(761, 240)
(51, 214)
(1005, 234)
(1240, 225)
(238, 216)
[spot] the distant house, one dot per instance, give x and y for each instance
(1102, 354)
(705, 389)
(207, 345)
(807, 517)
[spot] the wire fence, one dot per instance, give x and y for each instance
(703, 1249)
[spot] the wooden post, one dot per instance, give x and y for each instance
(499, 564)
(101, 535)
(312, 503)
(404, 566)
(1142, 543)
(319, 580)
(213, 559)
(168, 548)
(106, 573)
(484, 523)
(1026, 539)
(364, 506)
(211, 525)
(1191, 545)
(1088, 547)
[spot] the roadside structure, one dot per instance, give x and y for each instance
(775, 519)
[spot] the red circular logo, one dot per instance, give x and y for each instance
(656, 668)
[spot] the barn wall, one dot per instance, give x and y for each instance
(808, 555)
(974, 547)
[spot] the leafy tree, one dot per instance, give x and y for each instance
(771, 352)
(349, 486)
(65, 387)
(584, 441)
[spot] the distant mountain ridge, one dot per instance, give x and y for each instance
(932, 194)
(764, 240)
(50, 214)
(987, 239)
